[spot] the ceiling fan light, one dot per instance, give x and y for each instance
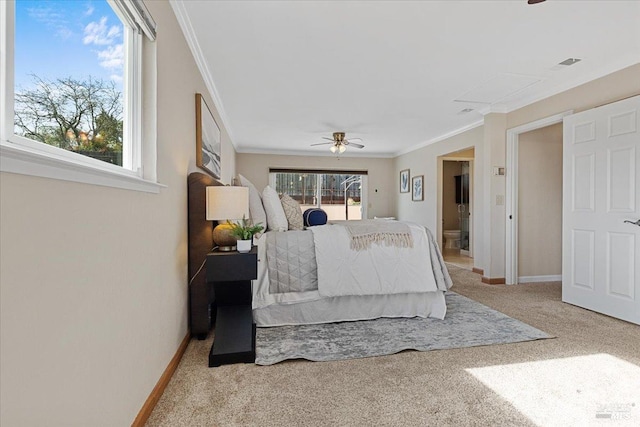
(333, 148)
(341, 149)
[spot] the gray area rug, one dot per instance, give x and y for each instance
(467, 324)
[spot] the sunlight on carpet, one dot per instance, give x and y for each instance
(586, 390)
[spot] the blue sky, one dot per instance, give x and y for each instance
(65, 38)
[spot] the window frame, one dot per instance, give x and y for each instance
(28, 157)
(319, 173)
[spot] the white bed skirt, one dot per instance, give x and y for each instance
(350, 308)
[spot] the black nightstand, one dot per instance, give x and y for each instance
(235, 333)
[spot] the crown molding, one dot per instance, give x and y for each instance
(440, 138)
(182, 16)
(505, 108)
(498, 108)
(610, 68)
(323, 153)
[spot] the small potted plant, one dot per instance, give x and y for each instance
(244, 232)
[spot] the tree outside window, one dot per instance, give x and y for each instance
(80, 116)
(68, 66)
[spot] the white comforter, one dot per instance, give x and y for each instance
(376, 271)
(381, 270)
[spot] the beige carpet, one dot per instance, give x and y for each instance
(586, 376)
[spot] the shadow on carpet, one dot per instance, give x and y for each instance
(467, 324)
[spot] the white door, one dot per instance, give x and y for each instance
(601, 194)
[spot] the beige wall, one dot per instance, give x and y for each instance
(495, 127)
(490, 141)
(426, 161)
(93, 279)
(540, 202)
(382, 180)
(605, 90)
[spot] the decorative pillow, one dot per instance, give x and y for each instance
(292, 211)
(314, 216)
(276, 219)
(256, 210)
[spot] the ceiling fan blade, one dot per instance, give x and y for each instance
(330, 139)
(356, 145)
(323, 143)
(354, 139)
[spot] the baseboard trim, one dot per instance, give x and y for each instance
(535, 279)
(478, 270)
(493, 280)
(161, 385)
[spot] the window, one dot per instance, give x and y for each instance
(71, 89)
(341, 194)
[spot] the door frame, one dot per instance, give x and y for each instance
(511, 192)
(440, 219)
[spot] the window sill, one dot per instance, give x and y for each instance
(26, 161)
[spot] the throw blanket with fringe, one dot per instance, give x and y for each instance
(379, 270)
(390, 233)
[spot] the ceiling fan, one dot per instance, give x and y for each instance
(339, 143)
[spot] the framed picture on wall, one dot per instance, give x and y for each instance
(207, 139)
(404, 181)
(417, 188)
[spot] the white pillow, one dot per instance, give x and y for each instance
(256, 210)
(276, 219)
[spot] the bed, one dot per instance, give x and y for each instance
(319, 275)
(419, 293)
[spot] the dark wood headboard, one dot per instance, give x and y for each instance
(201, 297)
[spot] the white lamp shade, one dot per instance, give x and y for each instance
(224, 202)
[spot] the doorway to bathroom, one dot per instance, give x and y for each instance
(456, 208)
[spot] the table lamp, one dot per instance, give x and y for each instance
(225, 203)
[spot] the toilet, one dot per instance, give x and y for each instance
(451, 239)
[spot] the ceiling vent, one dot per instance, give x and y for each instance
(564, 64)
(465, 111)
(569, 61)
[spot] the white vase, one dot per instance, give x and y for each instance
(243, 246)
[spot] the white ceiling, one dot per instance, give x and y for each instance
(284, 74)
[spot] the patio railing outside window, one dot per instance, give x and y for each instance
(339, 194)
